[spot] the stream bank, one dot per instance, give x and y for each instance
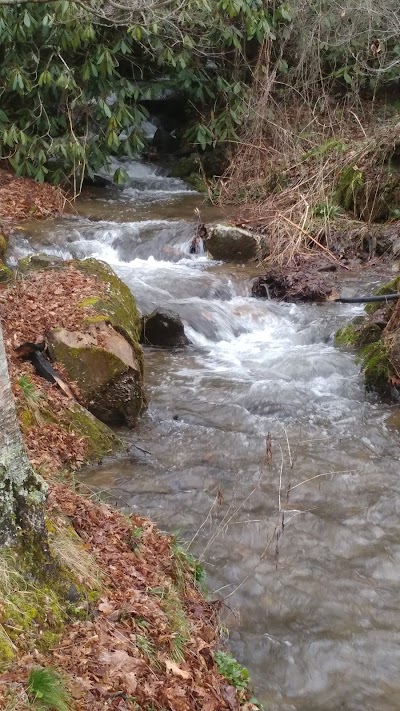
(122, 614)
(314, 613)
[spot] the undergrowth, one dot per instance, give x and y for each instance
(47, 692)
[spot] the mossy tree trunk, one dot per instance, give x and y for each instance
(22, 492)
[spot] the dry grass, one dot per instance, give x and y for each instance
(310, 149)
(68, 549)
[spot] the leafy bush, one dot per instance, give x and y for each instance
(228, 667)
(73, 87)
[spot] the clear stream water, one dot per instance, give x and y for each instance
(314, 613)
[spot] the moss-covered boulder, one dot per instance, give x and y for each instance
(3, 246)
(100, 439)
(106, 369)
(6, 274)
(116, 304)
(376, 339)
(233, 244)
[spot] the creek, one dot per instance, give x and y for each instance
(313, 606)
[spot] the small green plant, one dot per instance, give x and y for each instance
(33, 397)
(327, 210)
(185, 561)
(228, 667)
(29, 390)
(349, 184)
(46, 690)
(172, 607)
(147, 647)
(135, 537)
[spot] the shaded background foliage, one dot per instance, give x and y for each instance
(74, 84)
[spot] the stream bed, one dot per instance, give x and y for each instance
(301, 537)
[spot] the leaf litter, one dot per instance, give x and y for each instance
(101, 656)
(148, 642)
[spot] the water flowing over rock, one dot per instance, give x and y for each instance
(163, 328)
(234, 244)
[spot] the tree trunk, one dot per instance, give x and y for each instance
(22, 492)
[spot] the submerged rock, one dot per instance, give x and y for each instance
(234, 244)
(163, 328)
(106, 369)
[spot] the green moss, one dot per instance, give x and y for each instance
(185, 167)
(118, 306)
(7, 651)
(88, 366)
(100, 439)
(376, 366)
(391, 287)
(48, 640)
(26, 419)
(6, 274)
(350, 181)
(347, 336)
(3, 246)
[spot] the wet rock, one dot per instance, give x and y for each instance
(105, 367)
(234, 244)
(39, 261)
(163, 141)
(97, 181)
(163, 328)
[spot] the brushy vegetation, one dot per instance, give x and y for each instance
(73, 84)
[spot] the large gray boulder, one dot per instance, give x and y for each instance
(234, 244)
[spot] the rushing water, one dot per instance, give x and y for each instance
(313, 608)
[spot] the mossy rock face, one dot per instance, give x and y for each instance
(185, 167)
(105, 367)
(376, 338)
(117, 306)
(374, 359)
(6, 274)
(37, 262)
(100, 439)
(188, 169)
(3, 246)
